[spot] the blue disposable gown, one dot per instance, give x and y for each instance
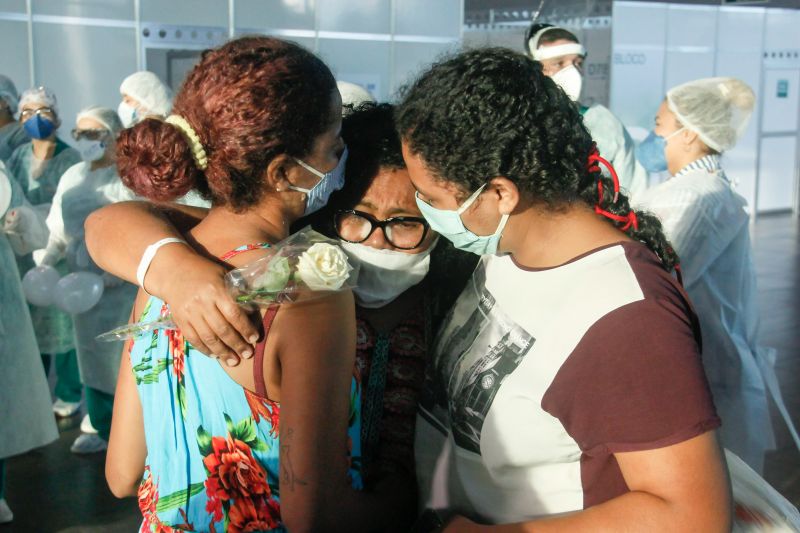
(12, 136)
(80, 192)
(615, 144)
(26, 412)
(53, 327)
(706, 222)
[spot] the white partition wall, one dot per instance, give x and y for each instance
(657, 45)
(83, 49)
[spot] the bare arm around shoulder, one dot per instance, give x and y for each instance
(117, 236)
(127, 449)
(680, 488)
(315, 342)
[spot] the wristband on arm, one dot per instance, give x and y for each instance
(147, 258)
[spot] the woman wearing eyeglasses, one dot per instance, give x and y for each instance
(37, 167)
(87, 186)
(408, 280)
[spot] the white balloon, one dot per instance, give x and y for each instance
(39, 285)
(78, 292)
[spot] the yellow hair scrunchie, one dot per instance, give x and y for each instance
(198, 152)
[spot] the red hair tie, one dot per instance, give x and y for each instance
(593, 165)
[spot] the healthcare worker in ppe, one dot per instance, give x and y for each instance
(26, 417)
(143, 95)
(84, 188)
(12, 134)
(706, 222)
(37, 168)
(562, 57)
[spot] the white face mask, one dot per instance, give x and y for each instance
(386, 274)
(127, 114)
(571, 80)
(91, 150)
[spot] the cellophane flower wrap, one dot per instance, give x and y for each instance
(305, 266)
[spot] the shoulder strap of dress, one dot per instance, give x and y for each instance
(244, 248)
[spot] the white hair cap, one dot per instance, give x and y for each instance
(353, 95)
(39, 95)
(717, 109)
(8, 92)
(149, 91)
(105, 116)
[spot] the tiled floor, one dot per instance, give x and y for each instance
(52, 490)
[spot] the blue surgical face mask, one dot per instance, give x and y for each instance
(39, 127)
(449, 224)
(651, 151)
(317, 196)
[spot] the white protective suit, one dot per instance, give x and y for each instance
(80, 192)
(706, 222)
(615, 144)
(26, 411)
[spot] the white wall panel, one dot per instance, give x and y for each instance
(362, 60)
(637, 65)
(13, 6)
(286, 14)
(108, 9)
(187, 12)
(412, 58)
(363, 16)
(781, 99)
(14, 41)
(777, 173)
(782, 29)
(423, 17)
(691, 39)
(84, 65)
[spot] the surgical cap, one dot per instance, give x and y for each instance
(353, 95)
(8, 92)
(39, 95)
(105, 116)
(717, 109)
(149, 91)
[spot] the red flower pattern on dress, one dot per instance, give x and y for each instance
(177, 351)
(148, 501)
(247, 515)
(235, 475)
(264, 408)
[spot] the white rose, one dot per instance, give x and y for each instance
(323, 267)
(276, 276)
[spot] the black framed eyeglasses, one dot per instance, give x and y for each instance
(405, 233)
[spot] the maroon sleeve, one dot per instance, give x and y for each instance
(635, 381)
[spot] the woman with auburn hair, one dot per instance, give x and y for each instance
(269, 444)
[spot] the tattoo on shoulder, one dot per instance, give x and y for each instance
(288, 476)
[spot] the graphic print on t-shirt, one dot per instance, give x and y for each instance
(477, 348)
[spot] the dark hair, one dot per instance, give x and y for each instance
(492, 112)
(373, 145)
(248, 101)
(550, 36)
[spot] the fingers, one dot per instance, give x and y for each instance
(191, 336)
(240, 321)
(227, 334)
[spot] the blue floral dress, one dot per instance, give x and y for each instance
(212, 462)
